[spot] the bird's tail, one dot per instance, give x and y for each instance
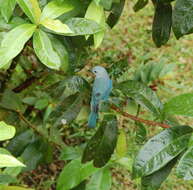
(92, 119)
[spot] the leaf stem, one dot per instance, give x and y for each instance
(135, 118)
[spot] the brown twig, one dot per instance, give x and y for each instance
(147, 122)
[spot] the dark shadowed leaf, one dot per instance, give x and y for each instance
(141, 133)
(11, 101)
(180, 105)
(20, 141)
(162, 24)
(101, 146)
(71, 113)
(154, 181)
(115, 14)
(74, 173)
(100, 180)
(161, 149)
(143, 95)
(182, 18)
(140, 5)
(185, 166)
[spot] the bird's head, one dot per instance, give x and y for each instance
(99, 71)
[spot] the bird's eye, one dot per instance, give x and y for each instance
(95, 72)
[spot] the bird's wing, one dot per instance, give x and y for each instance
(100, 88)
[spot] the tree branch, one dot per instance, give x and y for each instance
(147, 122)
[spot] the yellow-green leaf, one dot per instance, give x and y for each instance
(44, 50)
(121, 148)
(6, 131)
(14, 188)
(14, 41)
(56, 26)
(31, 9)
(96, 12)
(7, 160)
(55, 9)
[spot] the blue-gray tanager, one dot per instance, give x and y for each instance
(101, 90)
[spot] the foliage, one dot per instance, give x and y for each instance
(45, 92)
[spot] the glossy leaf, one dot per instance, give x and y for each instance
(185, 166)
(45, 51)
(182, 18)
(14, 42)
(83, 26)
(74, 173)
(54, 9)
(180, 105)
(162, 24)
(100, 180)
(31, 9)
(56, 26)
(154, 181)
(101, 146)
(143, 95)
(7, 9)
(161, 149)
(121, 148)
(7, 160)
(6, 131)
(140, 5)
(115, 14)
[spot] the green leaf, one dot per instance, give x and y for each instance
(14, 42)
(161, 149)
(70, 153)
(7, 160)
(100, 180)
(7, 9)
(101, 146)
(140, 5)
(96, 13)
(143, 95)
(55, 9)
(11, 101)
(20, 141)
(141, 133)
(74, 173)
(107, 4)
(33, 154)
(180, 105)
(41, 103)
(115, 14)
(56, 26)
(83, 26)
(44, 50)
(162, 24)
(31, 9)
(14, 188)
(121, 148)
(185, 166)
(182, 18)
(6, 131)
(61, 50)
(154, 181)
(71, 113)
(6, 179)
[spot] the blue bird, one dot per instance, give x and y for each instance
(100, 92)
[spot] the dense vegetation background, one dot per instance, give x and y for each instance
(34, 99)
